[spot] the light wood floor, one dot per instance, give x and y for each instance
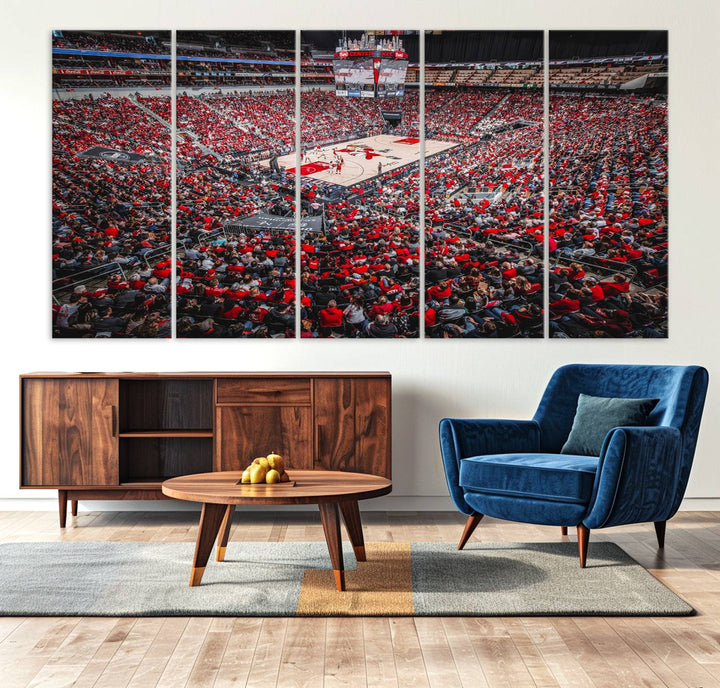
(373, 652)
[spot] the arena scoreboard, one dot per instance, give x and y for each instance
(370, 73)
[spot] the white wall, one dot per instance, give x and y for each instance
(431, 379)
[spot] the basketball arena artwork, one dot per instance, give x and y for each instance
(493, 257)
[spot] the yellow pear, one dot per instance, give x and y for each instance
(257, 473)
(245, 476)
(276, 462)
(262, 461)
(272, 476)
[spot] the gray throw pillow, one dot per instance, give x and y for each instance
(596, 416)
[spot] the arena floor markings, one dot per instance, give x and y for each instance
(361, 158)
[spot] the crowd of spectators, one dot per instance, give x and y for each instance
(360, 274)
(453, 115)
(265, 45)
(75, 71)
(240, 122)
(484, 216)
(147, 42)
(326, 117)
(111, 221)
(348, 268)
(598, 73)
(241, 284)
(608, 222)
(234, 281)
(194, 74)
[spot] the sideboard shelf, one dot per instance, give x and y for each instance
(120, 435)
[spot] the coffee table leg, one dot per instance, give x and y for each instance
(224, 534)
(353, 524)
(210, 519)
(330, 517)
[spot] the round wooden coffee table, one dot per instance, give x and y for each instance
(334, 492)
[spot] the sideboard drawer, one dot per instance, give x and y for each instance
(263, 390)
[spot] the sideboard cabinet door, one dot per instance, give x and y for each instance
(352, 425)
(69, 432)
(246, 432)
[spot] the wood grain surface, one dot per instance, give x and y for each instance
(251, 431)
(69, 432)
(352, 425)
(264, 390)
(311, 487)
(682, 652)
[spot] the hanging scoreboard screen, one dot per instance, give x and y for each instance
(354, 76)
(370, 73)
(391, 80)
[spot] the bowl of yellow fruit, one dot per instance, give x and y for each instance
(266, 470)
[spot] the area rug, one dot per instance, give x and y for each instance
(294, 578)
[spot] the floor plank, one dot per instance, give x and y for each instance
(103, 656)
(237, 661)
(303, 654)
(211, 652)
(495, 650)
(344, 653)
(130, 654)
(268, 652)
(530, 653)
(379, 656)
(409, 663)
(438, 658)
(467, 665)
(158, 655)
(182, 659)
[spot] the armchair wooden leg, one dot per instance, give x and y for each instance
(563, 530)
(470, 525)
(583, 535)
(660, 532)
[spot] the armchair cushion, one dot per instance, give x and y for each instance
(551, 477)
(596, 416)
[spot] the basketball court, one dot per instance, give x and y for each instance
(361, 157)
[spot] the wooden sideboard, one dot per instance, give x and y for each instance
(119, 435)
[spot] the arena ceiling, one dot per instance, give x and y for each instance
(566, 45)
(503, 46)
(483, 46)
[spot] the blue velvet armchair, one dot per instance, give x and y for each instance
(514, 470)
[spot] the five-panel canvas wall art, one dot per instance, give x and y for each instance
(452, 184)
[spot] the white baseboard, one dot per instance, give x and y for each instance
(389, 503)
(700, 504)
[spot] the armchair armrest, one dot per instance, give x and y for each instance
(461, 438)
(637, 477)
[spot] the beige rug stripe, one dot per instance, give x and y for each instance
(382, 585)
